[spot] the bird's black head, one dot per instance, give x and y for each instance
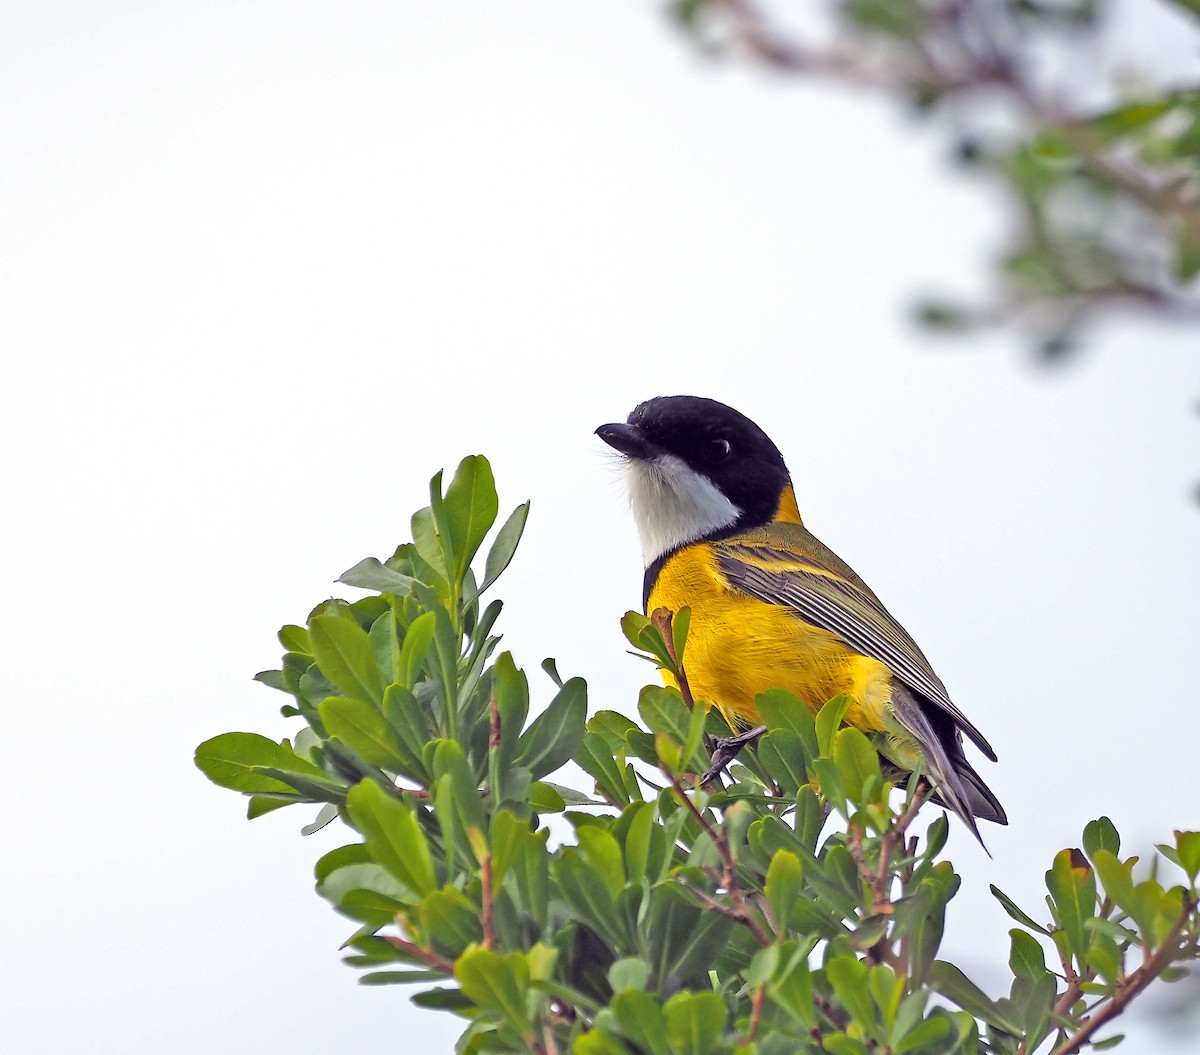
(697, 469)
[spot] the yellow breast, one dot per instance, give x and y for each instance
(738, 647)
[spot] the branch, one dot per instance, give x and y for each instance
(728, 878)
(426, 956)
(1134, 984)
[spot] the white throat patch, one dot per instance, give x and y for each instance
(673, 504)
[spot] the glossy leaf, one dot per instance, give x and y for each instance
(393, 835)
(232, 760)
(1072, 886)
(1027, 959)
(344, 654)
(828, 721)
(1015, 911)
(371, 574)
(362, 726)
(695, 1022)
(470, 508)
(504, 546)
(641, 1020)
(555, 735)
(783, 887)
(497, 983)
(1101, 834)
(409, 723)
(595, 759)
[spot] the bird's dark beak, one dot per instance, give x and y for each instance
(628, 439)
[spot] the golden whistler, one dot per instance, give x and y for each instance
(773, 607)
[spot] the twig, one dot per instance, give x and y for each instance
(835, 1017)
(1134, 984)
(756, 1006)
(489, 927)
(426, 956)
(494, 724)
(661, 619)
(728, 877)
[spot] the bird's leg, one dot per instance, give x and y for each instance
(725, 750)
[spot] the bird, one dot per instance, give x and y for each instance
(771, 605)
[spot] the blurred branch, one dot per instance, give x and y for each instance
(1108, 197)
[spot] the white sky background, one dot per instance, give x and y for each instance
(265, 267)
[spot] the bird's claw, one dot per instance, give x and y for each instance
(725, 750)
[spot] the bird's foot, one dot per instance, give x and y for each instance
(725, 750)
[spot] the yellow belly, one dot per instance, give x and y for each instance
(738, 647)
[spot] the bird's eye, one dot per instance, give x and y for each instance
(717, 450)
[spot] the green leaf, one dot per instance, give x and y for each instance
(1026, 959)
(628, 973)
(833, 787)
(783, 887)
(1131, 117)
(504, 547)
(586, 892)
(543, 798)
(531, 875)
(1187, 847)
(497, 984)
(858, 762)
(263, 804)
(829, 720)
(1072, 887)
(393, 835)
(361, 726)
(470, 509)
(417, 640)
(371, 574)
(597, 1042)
(1104, 957)
(451, 921)
(426, 539)
(612, 727)
(685, 941)
(605, 857)
(556, 733)
(664, 711)
(848, 976)
(510, 689)
(780, 710)
(641, 1020)
(409, 723)
(783, 756)
(396, 977)
(647, 849)
(295, 639)
(1032, 1003)
(887, 992)
(449, 763)
(595, 759)
(948, 980)
(843, 1044)
(231, 760)
(1101, 834)
(344, 654)
(1015, 912)
(695, 1022)
(925, 1034)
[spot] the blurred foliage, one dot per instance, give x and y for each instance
(789, 912)
(1102, 162)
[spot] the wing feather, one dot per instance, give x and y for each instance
(825, 598)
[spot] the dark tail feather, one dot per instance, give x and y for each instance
(955, 784)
